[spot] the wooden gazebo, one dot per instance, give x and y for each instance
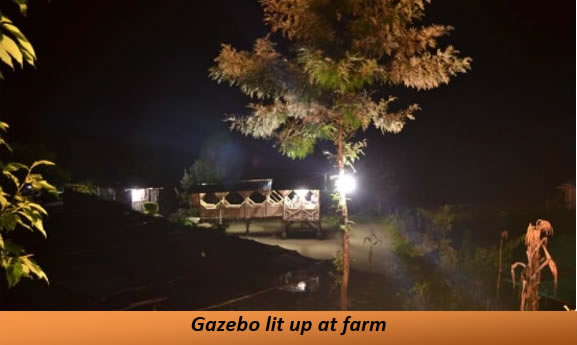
(241, 203)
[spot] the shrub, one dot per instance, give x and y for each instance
(418, 297)
(183, 215)
(150, 208)
(405, 240)
(84, 188)
(440, 221)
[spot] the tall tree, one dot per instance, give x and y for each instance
(327, 85)
(203, 170)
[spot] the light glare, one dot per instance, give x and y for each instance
(301, 286)
(302, 192)
(345, 184)
(137, 194)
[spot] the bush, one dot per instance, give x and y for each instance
(403, 240)
(150, 208)
(18, 212)
(84, 188)
(183, 215)
(418, 297)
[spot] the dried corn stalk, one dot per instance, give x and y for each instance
(530, 277)
(373, 242)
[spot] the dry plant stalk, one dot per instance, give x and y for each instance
(536, 242)
(373, 242)
(504, 237)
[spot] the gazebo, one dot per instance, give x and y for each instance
(255, 199)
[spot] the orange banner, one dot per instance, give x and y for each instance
(150, 327)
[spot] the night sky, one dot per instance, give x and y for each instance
(121, 90)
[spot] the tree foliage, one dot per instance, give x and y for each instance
(201, 171)
(151, 208)
(341, 53)
(15, 49)
(18, 211)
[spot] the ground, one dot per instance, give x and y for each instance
(306, 244)
(102, 256)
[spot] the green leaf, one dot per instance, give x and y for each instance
(43, 185)
(5, 57)
(25, 45)
(35, 219)
(30, 58)
(3, 142)
(33, 268)
(12, 48)
(8, 221)
(23, 267)
(1, 242)
(39, 225)
(38, 208)
(41, 162)
(3, 199)
(14, 272)
(24, 225)
(14, 166)
(22, 5)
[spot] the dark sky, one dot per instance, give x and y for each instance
(122, 89)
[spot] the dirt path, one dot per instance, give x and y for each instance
(383, 259)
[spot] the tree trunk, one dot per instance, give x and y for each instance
(345, 222)
(346, 258)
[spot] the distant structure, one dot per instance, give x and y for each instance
(139, 196)
(255, 199)
(136, 197)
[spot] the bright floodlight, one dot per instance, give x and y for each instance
(137, 194)
(345, 184)
(301, 286)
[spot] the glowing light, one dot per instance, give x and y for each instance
(345, 184)
(301, 286)
(302, 192)
(137, 194)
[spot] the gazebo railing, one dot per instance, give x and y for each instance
(289, 205)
